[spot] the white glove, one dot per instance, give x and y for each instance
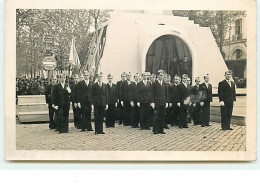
(194, 104)
(170, 104)
(221, 103)
(92, 107)
(132, 104)
(79, 105)
(115, 104)
(122, 103)
(106, 107)
(138, 104)
(153, 105)
(166, 106)
(56, 107)
(75, 105)
(178, 104)
(68, 89)
(201, 103)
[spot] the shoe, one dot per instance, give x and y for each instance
(185, 127)
(82, 130)
(102, 133)
(202, 125)
(230, 129)
(90, 130)
(155, 133)
(163, 133)
(223, 129)
(60, 133)
(166, 127)
(141, 128)
(208, 125)
(180, 127)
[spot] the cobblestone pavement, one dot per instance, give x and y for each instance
(125, 138)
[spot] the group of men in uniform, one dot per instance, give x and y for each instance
(149, 101)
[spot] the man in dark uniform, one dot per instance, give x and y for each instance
(49, 101)
(61, 101)
(185, 66)
(126, 99)
(184, 99)
(159, 99)
(143, 101)
(112, 102)
(174, 102)
(74, 100)
(119, 96)
(227, 97)
(152, 80)
(84, 98)
(190, 107)
(206, 89)
(135, 111)
(99, 93)
(168, 109)
(195, 101)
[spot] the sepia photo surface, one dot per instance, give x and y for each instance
(141, 83)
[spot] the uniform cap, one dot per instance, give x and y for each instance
(109, 76)
(229, 72)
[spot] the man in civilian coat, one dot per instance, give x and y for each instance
(227, 97)
(84, 98)
(61, 101)
(99, 93)
(49, 101)
(112, 102)
(119, 96)
(174, 102)
(184, 99)
(206, 89)
(74, 100)
(143, 101)
(126, 99)
(135, 111)
(195, 101)
(159, 99)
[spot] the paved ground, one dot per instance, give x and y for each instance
(122, 138)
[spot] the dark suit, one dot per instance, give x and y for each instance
(184, 93)
(206, 98)
(119, 96)
(48, 97)
(144, 98)
(84, 97)
(227, 94)
(135, 111)
(100, 101)
(76, 110)
(175, 109)
(111, 100)
(126, 97)
(159, 97)
(61, 98)
(195, 99)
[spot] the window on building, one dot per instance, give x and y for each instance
(238, 53)
(238, 28)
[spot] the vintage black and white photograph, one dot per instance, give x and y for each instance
(132, 80)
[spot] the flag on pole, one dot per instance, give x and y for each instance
(74, 58)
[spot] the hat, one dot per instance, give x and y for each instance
(229, 72)
(184, 76)
(100, 74)
(161, 71)
(109, 76)
(136, 75)
(86, 73)
(123, 74)
(197, 78)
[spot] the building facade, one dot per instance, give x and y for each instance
(234, 49)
